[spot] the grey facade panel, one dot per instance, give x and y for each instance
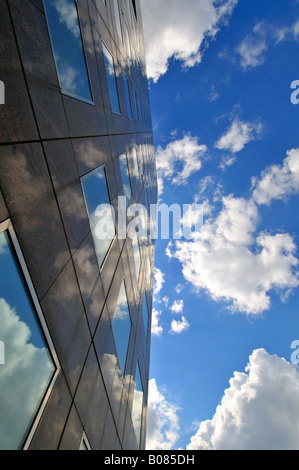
(49, 141)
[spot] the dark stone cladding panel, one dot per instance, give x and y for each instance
(31, 202)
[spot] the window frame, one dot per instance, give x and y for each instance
(84, 441)
(118, 12)
(125, 155)
(147, 328)
(115, 77)
(135, 240)
(123, 370)
(82, 179)
(63, 91)
(138, 368)
(28, 285)
(127, 87)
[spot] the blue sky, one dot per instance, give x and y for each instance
(226, 305)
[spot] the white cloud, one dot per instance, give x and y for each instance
(287, 33)
(278, 181)
(178, 327)
(172, 30)
(23, 378)
(238, 135)
(179, 160)
(177, 306)
(157, 329)
(252, 52)
(233, 264)
(3, 243)
(163, 421)
(179, 288)
(159, 279)
(68, 15)
(259, 410)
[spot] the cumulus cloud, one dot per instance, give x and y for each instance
(25, 365)
(68, 16)
(230, 260)
(3, 243)
(252, 52)
(278, 181)
(159, 279)
(172, 30)
(178, 327)
(177, 306)
(259, 410)
(157, 329)
(163, 421)
(179, 160)
(290, 33)
(233, 265)
(239, 135)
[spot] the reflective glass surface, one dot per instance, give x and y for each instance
(136, 254)
(128, 100)
(121, 325)
(136, 106)
(145, 314)
(112, 86)
(27, 368)
(100, 211)
(137, 405)
(125, 177)
(67, 46)
(135, 163)
(117, 17)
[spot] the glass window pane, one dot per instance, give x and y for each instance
(100, 211)
(135, 163)
(28, 366)
(125, 177)
(111, 79)
(117, 17)
(136, 107)
(145, 314)
(128, 46)
(137, 405)
(67, 46)
(128, 99)
(136, 254)
(121, 326)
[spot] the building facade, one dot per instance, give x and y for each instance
(76, 159)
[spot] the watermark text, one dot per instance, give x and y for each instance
(2, 93)
(157, 221)
(295, 94)
(2, 353)
(295, 354)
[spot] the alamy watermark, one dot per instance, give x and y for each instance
(2, 93)
(295, 354)
(295, 94)
(2, 353)
(157, 221)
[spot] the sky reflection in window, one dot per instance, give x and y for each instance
(28, 368)
(121, 326)
(111, 79)
(100, 212)
(67, 46)
(137, 405)
(125, 177)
